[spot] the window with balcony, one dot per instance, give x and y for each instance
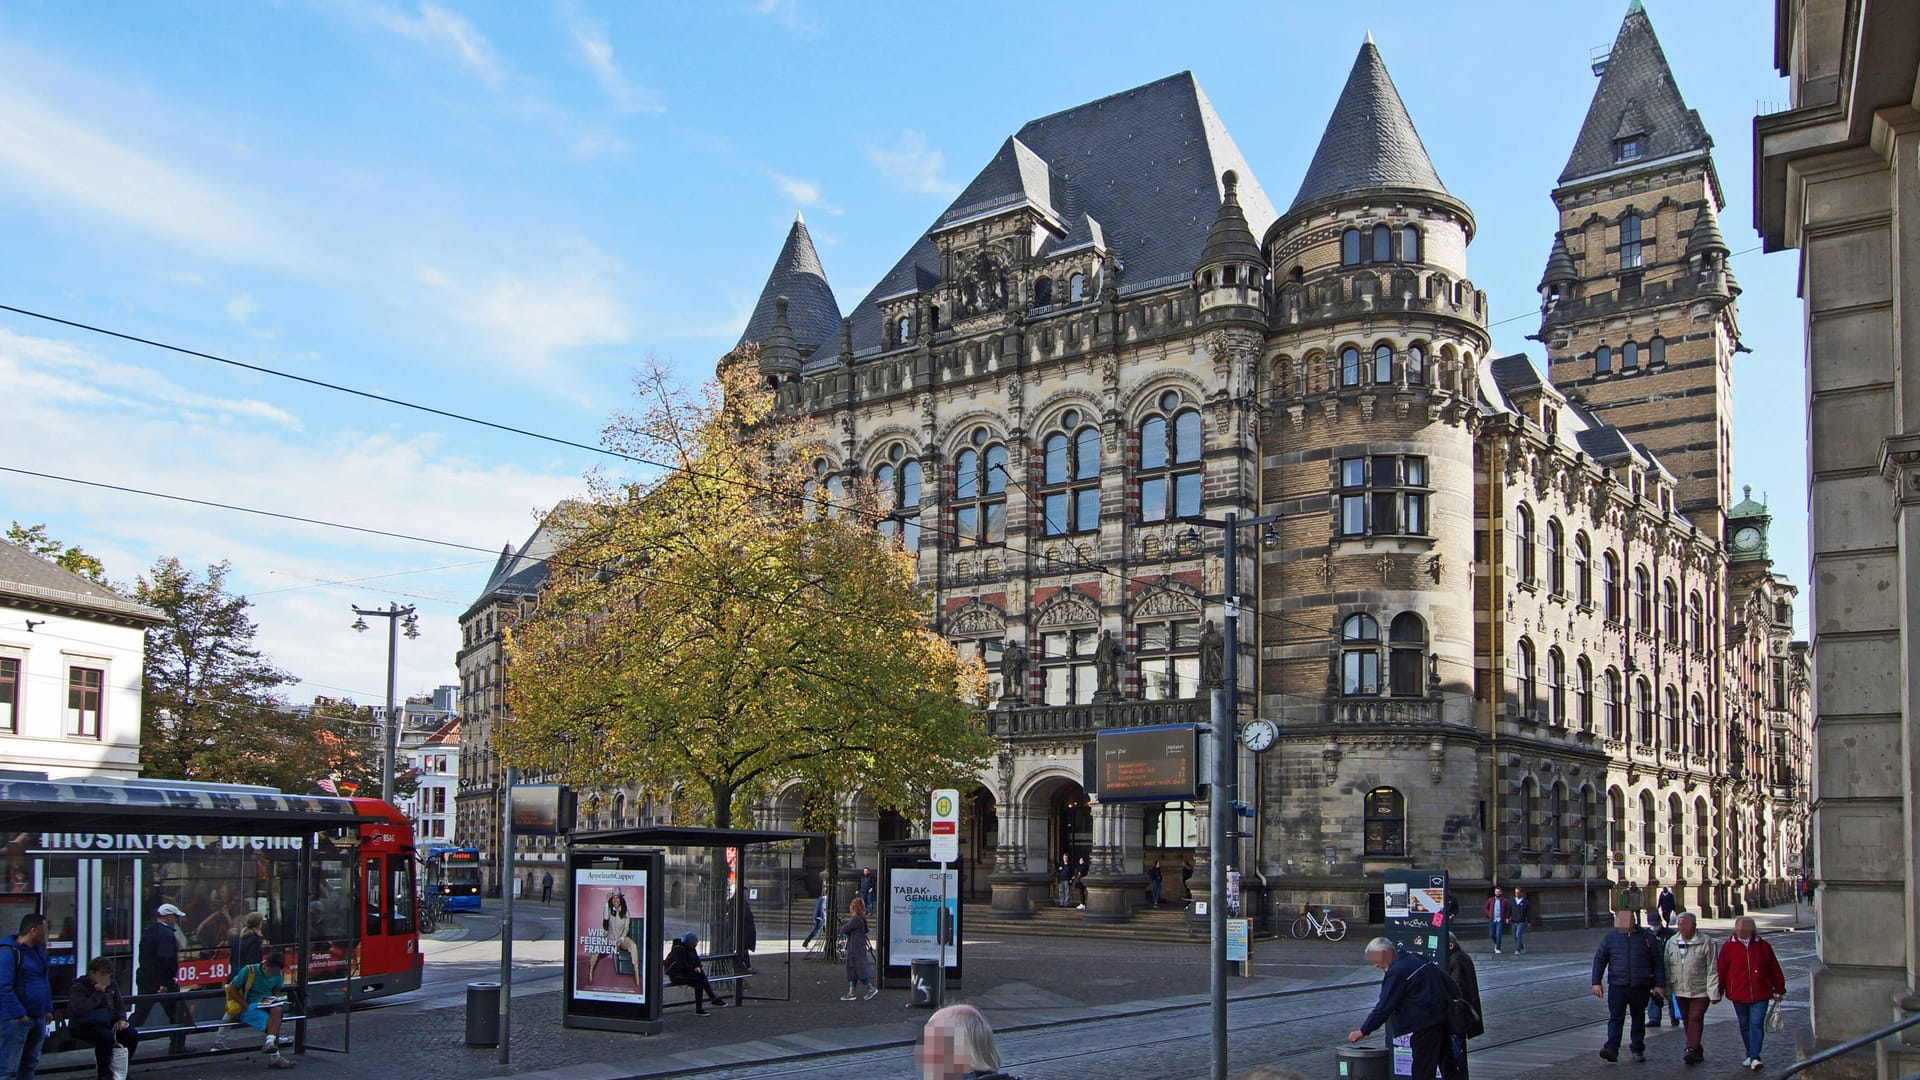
(980, 491)
(1383, 495)
(1359, 656)
(1169, 473)
(1170, 659)
(1070, 477)
(1385, 820)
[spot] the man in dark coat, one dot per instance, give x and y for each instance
(158, 972)
(1627, 969)
(1413, 1002)
(684, 968)
(1466, 983)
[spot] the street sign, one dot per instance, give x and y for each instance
(943, 837)
(1147, 764)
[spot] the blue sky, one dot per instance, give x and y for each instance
(499, 209)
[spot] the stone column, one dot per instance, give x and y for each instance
(1012, 881)
(1114, 879)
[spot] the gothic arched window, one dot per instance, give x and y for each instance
(980, 491)
(897, 484)
(1043, 292)
(1383, 364)
(1071, 477)
(1077, 287)
(1169, 473)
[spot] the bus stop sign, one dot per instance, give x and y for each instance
(943, 838)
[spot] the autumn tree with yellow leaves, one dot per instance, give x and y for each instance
(727, 626)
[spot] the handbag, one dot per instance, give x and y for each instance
(1776, 1020)
(237, 994)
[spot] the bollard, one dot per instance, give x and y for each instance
(923, 984)
(1364, 1062)
(483, 1014)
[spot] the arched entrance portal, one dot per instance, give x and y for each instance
(1069, 825)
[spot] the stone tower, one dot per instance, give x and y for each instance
(1373, 357)
(1637, 303)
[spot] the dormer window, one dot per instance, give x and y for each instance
(901, 327)
(1043, 292)
(1077, 288)
(1627, 149)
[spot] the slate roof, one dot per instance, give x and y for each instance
(1706, 234)
(30, 580)
(1637, 96)
(521, 572)
(1370, 142)
(1559, 264)
(1138, 170)
(1231, 237)
(1579, 428)
(812, 311)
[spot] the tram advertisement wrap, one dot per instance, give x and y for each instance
(913, 915)
(610, 912)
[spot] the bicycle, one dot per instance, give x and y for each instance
(1327, 926)
(432, 908)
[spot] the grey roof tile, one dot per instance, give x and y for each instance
(797, 275)
(1370, 142)
(27, 577)
(1559, 263)
(1637, 96)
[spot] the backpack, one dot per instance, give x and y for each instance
(237, 994)
(1462, 1018)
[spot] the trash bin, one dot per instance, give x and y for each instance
(1364, 1062)
(483, 1014)
(923, 984)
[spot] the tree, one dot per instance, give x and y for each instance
(210, 708)
(351, 749)
(711, 635)
(35, 539)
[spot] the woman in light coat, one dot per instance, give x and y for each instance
(1693, 978)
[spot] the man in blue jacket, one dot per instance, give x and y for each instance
(26, 1001)
(1627, 969)
(1413, 1001)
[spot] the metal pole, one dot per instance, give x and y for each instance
(393, 730)
(506, 913)
(1230, 673)
(1217, 803)
(942, 926)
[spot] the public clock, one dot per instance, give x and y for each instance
(1747, 539)
(1258, 734)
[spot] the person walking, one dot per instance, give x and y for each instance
(1668, 905)
(1656, 1008)
(859, 960)
(1693, 975)
(546, 887)
(158, 972)
(1627, 971)
(1499, 909)
(1522, 915)
(1412, 1002)
(249, 946)
(97, 1016)
(819, 919)
(683, 968)
(869, 887)
(957, 1044)
(1751, 978)
(1063, 880)
(1466, 983)
(26, 1001)
(1153, 883)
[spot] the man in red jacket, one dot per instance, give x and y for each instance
(1751, 978)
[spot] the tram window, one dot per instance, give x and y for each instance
(376, 898)
(400, 868)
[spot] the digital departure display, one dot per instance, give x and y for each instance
(1149, 764)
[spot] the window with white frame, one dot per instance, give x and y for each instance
(85, 689)
(1066, 664)
(10, 669)
(897, 484)
(1383, 495)
(1070, 477)
(1360, 656)
(1170, 659)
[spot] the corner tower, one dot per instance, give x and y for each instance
(1637, 305)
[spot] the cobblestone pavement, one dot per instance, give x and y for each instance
(1066, 1007)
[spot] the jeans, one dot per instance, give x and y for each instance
(1622, 1000)
(1496, 930)
(1753, 1024)
(1066, 888)
(1154, 888)
(1459, 1051)
(1519, 937)
(818, 925)
(20, 1048)
(1693, 1016)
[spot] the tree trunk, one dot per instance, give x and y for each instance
(832, 948)
(722, 804)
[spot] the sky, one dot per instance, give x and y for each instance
(499, 210)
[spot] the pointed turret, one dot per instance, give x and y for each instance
(1370, 143)
(779, 356)
(1230, 240)
(1232, 274)
(1560, 271)
(813, 316)
(1706, 238)
(1637, 113)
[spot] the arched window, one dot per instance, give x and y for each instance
(1070, 476)
(1583, 568)
(1670, 611)
(1558, 809)
(1385, 816)
(1672, 718)
(1359, 656)
(1656, 351)
(1529, 688)
(980, 491)
(1629, 356)
(1613, 705)
(1556, 557)
(1703, 829)
(1610, 587)
(1349, 366)
(1697, 724)
(897, 485)
(1649, 824)
(1043, 292)
(1529, 815)
(1630, 242)
(1383, 364)
(1583, 687)
(1350, 247)
(901, 328)
(1416, 366)
(1407, 655)
(1410, 244)
(1077, 287)
(1523, 539)
(1382, 244)
(1643, 710)
(1556, 687)
(1602, 360)
(1170, 461)
(1642, 601)
(1617, 816)
(1696, 623)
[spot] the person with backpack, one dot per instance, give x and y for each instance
(1413, 1002)
(1627, 972)
(26, 1001)
(1466, 987)
(97, 1016)
(253, 998)
(1751, 977)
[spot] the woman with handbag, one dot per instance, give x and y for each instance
(97, 1016)
(1751, 978)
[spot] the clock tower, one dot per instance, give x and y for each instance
(1747, 524)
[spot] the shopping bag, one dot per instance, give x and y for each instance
(1776, 1020)
(119, 1066)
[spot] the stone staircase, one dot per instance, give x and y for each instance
(1169, 924)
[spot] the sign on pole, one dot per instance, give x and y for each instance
(1239, 941)
(943, 838)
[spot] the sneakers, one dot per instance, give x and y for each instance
(1639, 1055)
(719, 1003)
(220, 1040)
(272, 1046)
(872, 992)
(279, 1061)
(848, 997)
(701, 1012)
(1496, 950)
(1746, 1063)
(1608, 1053)
(1695, 1055)
(1756, 1066)
(286, 1040)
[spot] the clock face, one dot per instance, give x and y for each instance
(1747, 539)
(1258, 734)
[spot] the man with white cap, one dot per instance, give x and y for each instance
(159, 972)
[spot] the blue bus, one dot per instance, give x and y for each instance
(454, 873)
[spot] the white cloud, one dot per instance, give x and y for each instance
(242, 307)
(63, 374)
(441, 30)
(61, 157)
(787, 13)
(913, 165)
(530, 319)
(626, 95)
(804, 193)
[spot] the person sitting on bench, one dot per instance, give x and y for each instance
(97, 1016)
(256, 989)
(685, 969)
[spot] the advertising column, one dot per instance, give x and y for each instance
(613, 944)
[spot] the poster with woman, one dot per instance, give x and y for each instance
(610, 914)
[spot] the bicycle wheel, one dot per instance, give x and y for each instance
(1301, 929)
(1336, 928)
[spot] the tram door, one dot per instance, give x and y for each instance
(92, 909)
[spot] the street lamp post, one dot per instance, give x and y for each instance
(1222, 801)
(399, 619)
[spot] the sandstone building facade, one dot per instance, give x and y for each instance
(1507, 618)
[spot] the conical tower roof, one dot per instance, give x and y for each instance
(1230, 238)
(1370, 143)
(1706, 234)
(1637, 98)
(812, 313)
(1559, 264)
